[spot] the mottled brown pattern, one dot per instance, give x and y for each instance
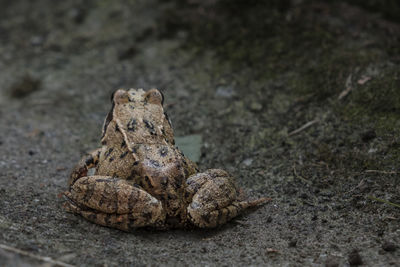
(142, 179)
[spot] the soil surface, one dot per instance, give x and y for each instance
(300, 100)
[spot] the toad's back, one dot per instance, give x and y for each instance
(160, 170)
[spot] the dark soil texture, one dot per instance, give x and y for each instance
(300, 100)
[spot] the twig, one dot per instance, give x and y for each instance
(305, 126)
(384, 172)
(384, 201)
(272, 250)
(38, 257)
(359, 185)
(299, 176)
(363, 80)
(347, 89)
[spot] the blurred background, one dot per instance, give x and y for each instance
(300, 100)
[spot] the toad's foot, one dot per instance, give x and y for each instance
(113, 202)
(216, 199)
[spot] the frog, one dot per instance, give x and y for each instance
(139, 177)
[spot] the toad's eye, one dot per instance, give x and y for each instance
(120, 97)
(154, 96)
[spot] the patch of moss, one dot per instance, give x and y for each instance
(378, 98)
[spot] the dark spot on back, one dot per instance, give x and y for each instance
(149, 125)
(111, 159)
(123, 154)
(109, 152)
(155, 163)
(163, 151)
(131, 125)
(123, 144)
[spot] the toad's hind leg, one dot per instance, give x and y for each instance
(215, 199)
(114, 202)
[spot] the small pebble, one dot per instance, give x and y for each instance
(292, 243)
(389, 246)
(247, 162)
(355, 258)
(225, 91)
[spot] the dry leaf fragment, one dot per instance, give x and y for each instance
(363, 80)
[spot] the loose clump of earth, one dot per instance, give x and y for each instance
(299, 100)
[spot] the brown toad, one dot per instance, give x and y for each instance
(142, 179)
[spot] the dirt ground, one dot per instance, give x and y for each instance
(300, 100)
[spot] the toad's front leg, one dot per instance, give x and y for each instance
(87, 162)
(216, 199)
(113, 202)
